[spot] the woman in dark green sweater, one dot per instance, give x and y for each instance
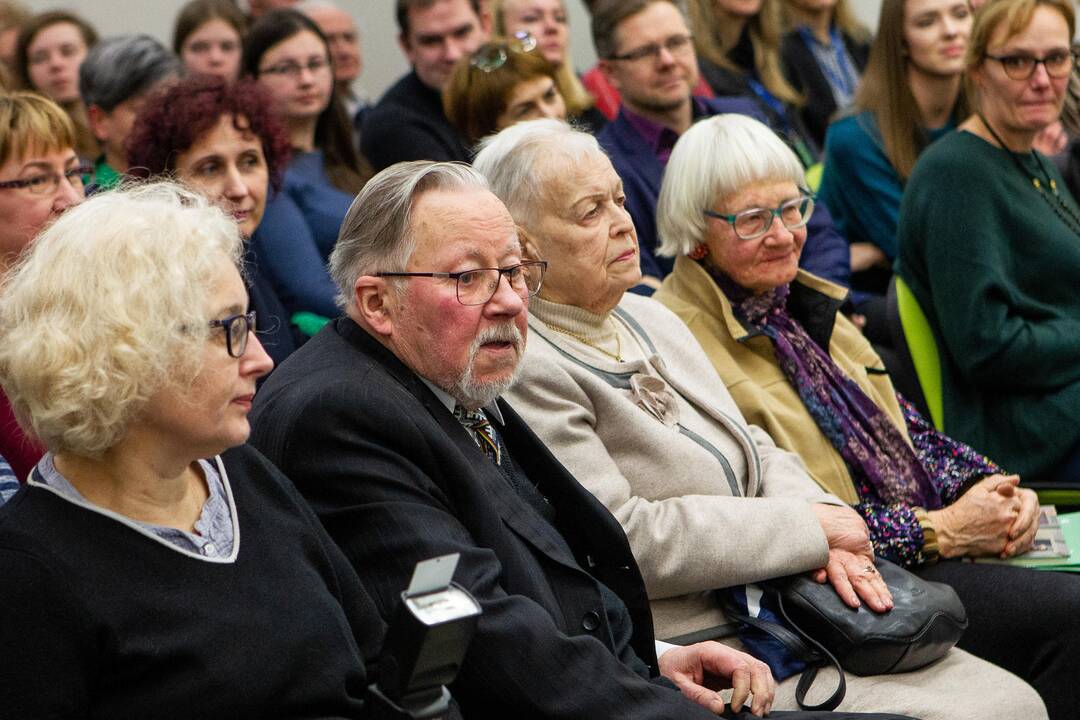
(990, 246)
(149, 571)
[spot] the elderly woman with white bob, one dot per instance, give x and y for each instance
(154, 566)
(623, 395)
(733, 209)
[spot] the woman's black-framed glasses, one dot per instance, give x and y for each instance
(46, 183)
(491, 56)
(476, 287)
(237, 328)
(1058, 64)
(753, 223)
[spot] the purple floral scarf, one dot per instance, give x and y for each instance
(870, 444)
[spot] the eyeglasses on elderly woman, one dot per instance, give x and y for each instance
(476, 287)
(752, 223)
(491, 56)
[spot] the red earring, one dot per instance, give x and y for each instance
(698, 253)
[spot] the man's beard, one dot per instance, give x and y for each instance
(473, 394)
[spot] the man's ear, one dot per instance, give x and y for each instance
(403, 43)
(529, 249)
(95, 117)
(374, 302)
(607, 69)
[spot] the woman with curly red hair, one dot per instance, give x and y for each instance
(223, 140)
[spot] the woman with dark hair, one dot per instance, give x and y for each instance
(209, 36)
(289, 57)
(910, 95)
(50, 48)
(222, 139)
(501, 84)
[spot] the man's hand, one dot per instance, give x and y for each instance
(701, 669)
(982, 520)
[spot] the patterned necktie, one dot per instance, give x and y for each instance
(482, 431)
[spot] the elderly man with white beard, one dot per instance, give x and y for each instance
(390, 422)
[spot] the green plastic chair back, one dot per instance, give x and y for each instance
(923, 349)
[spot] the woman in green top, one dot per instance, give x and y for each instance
(990, 246)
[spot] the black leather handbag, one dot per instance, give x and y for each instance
(926, 620)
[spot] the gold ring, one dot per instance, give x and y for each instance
(870, 570)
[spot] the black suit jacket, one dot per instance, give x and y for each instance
(408, 123)
(803, 72)
(396, 479)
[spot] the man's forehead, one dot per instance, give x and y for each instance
(462, 224)
(442, 16)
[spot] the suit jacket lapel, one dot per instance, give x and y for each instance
(514, 511)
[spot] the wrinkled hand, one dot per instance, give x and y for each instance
(981, 520)
(701, 669)
(854, 577)
(844, 529)
(1052, 139)
(851, 555)
(1022, 532)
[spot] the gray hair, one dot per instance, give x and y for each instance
(124, 67)
(376, 234)
(519, 161)
(715, 159)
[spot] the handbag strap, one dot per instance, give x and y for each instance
(795, 640)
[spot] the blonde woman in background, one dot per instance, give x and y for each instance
(824, 53)
(738, 48)
(548, 23)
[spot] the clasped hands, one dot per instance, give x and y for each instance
(702, 669)
(850, 568)
(994, 517)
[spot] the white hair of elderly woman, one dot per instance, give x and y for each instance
(519, 162)
(715, 159)
(107, 306)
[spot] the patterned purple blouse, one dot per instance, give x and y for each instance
(951, 465)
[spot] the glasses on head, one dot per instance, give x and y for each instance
(493, 55)
(46, 183)
(676, 45)
(1058, 64)
(237, 328)
(755, 222)
(476, 287)
(293, 69)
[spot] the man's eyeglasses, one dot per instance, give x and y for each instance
(293, 69)
(491, 56)
(46, 183)
(237, 329)
(476, 287)
(1058, 64)
(676, 45)
(755, 222)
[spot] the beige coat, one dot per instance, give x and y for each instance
(693, 525)
(748, 366)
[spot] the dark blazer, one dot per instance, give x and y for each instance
(408, 123)
(825, 254)
(804, 73)
(396, 479)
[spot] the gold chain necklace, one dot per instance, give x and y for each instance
(616, 356)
